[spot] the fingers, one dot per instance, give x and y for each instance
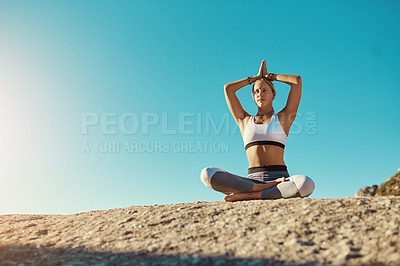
(261, 70)
(265, 72)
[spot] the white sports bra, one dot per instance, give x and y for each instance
(270, 133)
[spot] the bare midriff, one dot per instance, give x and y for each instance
(262, 155)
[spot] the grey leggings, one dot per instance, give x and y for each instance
(225, 182)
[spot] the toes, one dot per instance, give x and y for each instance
(228, 198)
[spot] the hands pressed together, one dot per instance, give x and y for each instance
(263, 73)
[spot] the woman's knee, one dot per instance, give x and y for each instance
(207, 173)
(304, 184)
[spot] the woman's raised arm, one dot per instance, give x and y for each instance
(293, 100)
(232, 100)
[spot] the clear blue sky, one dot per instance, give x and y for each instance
(152, 73)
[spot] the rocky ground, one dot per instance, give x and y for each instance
(345, 231)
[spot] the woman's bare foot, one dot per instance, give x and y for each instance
(281, 179)
(242, 196)
(269, 184)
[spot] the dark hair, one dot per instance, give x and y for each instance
(266, 80)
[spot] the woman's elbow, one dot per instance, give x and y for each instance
(298, 80)
(227, 87)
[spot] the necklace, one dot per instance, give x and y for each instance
(265, 115)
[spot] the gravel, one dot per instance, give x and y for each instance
(344, 231)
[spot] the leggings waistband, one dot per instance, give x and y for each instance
(267, 168)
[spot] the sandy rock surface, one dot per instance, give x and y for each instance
(346, 231)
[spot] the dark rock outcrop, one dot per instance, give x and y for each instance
(366, 191)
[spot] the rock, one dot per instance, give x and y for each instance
(369, 211)
(390, 187)
(41, 232)
(153, 248)
(366, 191)
(347, 231)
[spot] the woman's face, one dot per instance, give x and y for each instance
(263, 94)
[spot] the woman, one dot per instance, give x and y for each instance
(264, 137)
